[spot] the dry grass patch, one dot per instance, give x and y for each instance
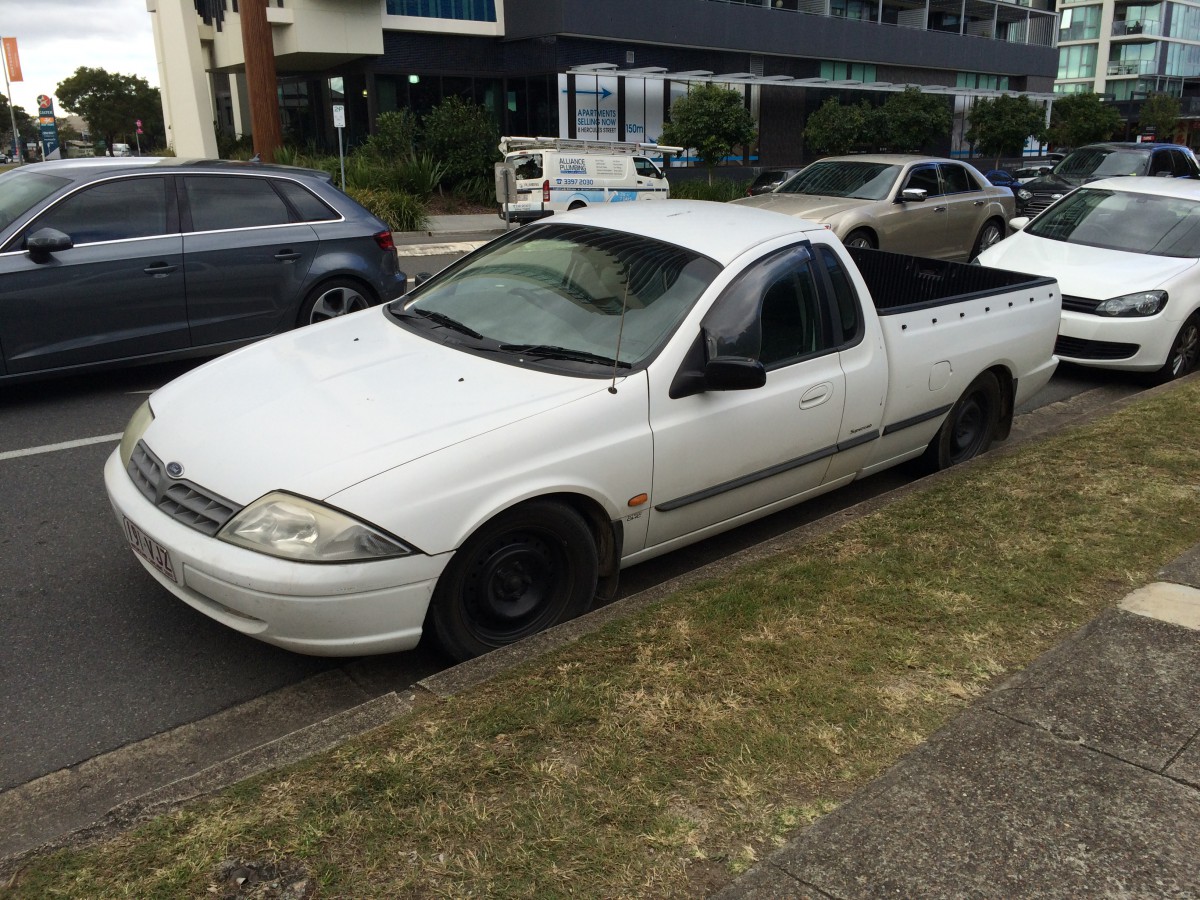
(666, 753)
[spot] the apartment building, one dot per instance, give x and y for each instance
(583, 68)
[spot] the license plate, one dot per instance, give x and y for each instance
(150, 550)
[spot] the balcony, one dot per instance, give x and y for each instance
(1136, 29)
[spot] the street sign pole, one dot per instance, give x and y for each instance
(339, 122)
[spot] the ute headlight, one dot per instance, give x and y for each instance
(137, 426)
(1023, 194)
(1143, 303)
(292, 527)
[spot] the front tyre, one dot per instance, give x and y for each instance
(330, 299)
(528, 569)
(860, 237)
(1185, 350)
(970, 427)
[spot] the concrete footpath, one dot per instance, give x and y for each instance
(1076, 778)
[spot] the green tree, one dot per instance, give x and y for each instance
(463, 137)
(912, 121)
(712, 120)
(835, 129)
(1078, 119)
(112, 103)
(1159, 115)
(27, 128)
(999, 126)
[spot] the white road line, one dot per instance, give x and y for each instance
(65, 445)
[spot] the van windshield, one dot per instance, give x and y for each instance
(528, 165)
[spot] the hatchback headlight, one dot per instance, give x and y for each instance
(138, 423)
(292, 527)
(1144, 303)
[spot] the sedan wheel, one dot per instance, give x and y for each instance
(529, 568)
(990, 234)
(333, 299)
(1185, 352)
(860, 238)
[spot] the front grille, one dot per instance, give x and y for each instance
(1077, 348)
(1040, 200)
(180, 499)
(1079, 304)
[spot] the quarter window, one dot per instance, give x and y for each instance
(220, 202)
(957, 179)
(310, 207)
(112, 211)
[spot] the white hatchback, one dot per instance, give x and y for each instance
(1124, 252)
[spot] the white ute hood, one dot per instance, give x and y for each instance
(316, 410)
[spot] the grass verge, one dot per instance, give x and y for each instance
(666, 753)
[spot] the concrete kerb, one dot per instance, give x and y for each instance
(360, 719)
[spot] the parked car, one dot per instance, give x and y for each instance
(1124, 252)
(1106, 160)
(1002, 178)
(768, 180)
(108, 262)
(483, 456)
(921, 205)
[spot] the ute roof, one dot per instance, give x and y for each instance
(720, 231)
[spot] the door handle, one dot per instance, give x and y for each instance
(980, 202)
(287, 255)
(816, 395)
(159, 269)
(939, 209)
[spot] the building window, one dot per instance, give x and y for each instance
(1079, 24)
(982, 81)
(473, 10)
(1079, 87)
(1077, 62)
(841, 71)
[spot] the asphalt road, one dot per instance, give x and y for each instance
(96, 656)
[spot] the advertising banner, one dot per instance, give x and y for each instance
(12, 60)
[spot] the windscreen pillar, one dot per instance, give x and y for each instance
(261, 83)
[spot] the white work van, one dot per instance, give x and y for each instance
(558, 174)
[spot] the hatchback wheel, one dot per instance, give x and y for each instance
(332, 299)
(1185, 351)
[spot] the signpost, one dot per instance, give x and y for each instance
(339, 122)
(48, 128)
(136, 135)
(506, 188)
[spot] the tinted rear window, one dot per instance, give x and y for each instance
(219, 202)
(310, 207)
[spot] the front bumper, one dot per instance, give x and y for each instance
(331, 609)
(1129, 344)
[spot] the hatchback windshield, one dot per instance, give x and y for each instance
(1102, 162)
(1136, 223)
(566, 292)
(857, 180)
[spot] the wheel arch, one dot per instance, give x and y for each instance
(1008, 391)
(320, 279)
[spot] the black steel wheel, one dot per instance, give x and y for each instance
(529, 568)
(1185, 351)
(331, 299)
(969, 428)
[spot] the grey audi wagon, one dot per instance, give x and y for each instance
(118, 262)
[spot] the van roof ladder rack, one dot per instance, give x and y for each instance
(509, 144)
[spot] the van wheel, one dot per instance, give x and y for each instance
(578, 204)
(970, 427)
(529, 568)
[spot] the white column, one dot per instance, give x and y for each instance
(187, 100)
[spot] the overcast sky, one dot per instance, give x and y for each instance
(55, 37)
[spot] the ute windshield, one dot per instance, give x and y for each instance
(854, 180)
(566, 295)
(1116, 220)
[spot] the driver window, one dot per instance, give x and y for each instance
(924, 178)
(772, 313)
(115, 210)
(645, 168)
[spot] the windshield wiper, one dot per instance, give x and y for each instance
(445, 321)
(547, 351)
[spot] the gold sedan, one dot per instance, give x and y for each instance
(920, 205)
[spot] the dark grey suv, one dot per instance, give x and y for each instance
(1104, 160)
(116, 262)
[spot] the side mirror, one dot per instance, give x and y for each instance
(45, 241)
(1018, 223)
(913, 195)
(420, 278)
(734, 373)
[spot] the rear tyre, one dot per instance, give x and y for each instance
(527, 569)
(1185, 351)
(970, 427)
(991, 233)
(860, 237)
(331, 299)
